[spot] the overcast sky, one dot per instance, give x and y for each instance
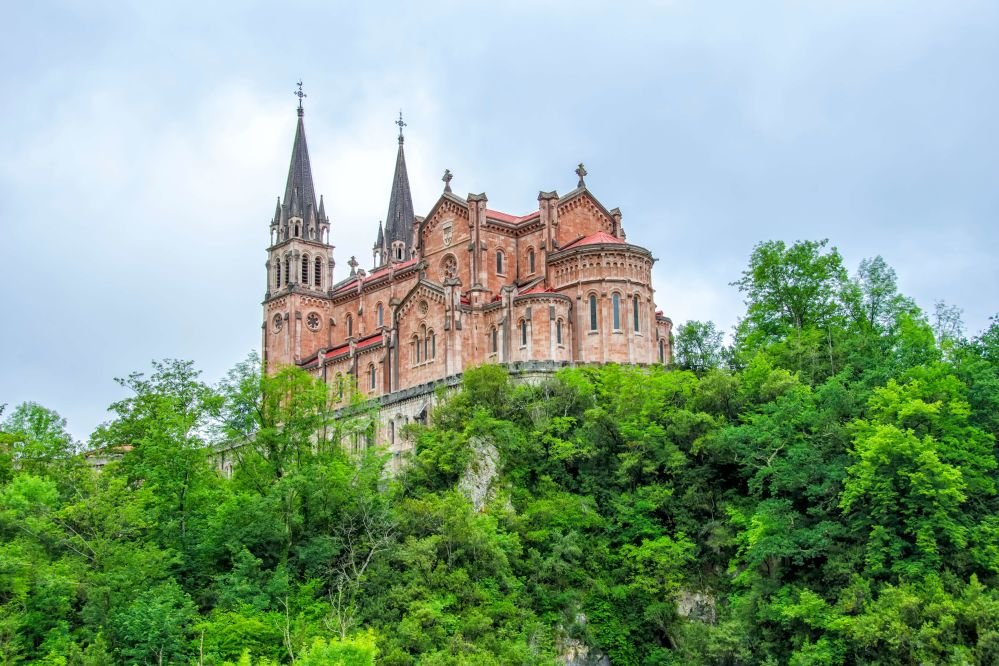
(144, 145)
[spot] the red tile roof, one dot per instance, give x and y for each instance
(599, 238)
(376, 274)
(507, 217)
(538, 289)
(364, 343)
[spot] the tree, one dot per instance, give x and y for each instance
(697, 346)
(156, 627)
(947, 323)
(37, 438)
(792, 288)
(795, 305)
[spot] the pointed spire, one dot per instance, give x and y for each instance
(380, 240)
(300, 193)
(277, 212)
(322, 210)
(399, 220)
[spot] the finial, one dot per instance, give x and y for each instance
(401, 124)
(447, 180)
(581, 172)
(353, 263)
(299, 94)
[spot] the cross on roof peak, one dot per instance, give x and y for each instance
(401, 124)
(299, 94)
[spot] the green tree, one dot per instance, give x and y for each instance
(157, 626)
(36, 439)
(698, 346)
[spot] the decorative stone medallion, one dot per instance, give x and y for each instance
(313, 321)
(278, 323)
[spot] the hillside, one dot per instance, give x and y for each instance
(823, 491)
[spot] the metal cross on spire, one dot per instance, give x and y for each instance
(401, 124)
(447, 180)
(299, 94)
(581, 172)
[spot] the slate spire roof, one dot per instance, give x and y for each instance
(399, 220)
(300, 193)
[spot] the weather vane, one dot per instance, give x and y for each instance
(401, 124)
(299, 94)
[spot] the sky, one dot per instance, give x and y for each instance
(144, 144)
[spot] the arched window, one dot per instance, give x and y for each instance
(305, 270)
(558, 331)
(297, 230)
(449, 268)
(371, 376)
(432, 337)
(339, 386)
(634, 313)
(530, 260)
(381, 315)
(350, 326)
(277, 274)
(523, 332)
(287, 271)
(616, 306)
(662, 351)
(593, 312)
(499, 261)
(494, 340)
(416, 349)
(317, 274)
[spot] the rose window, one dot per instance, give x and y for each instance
(312, 321)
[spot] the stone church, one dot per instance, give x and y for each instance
(458, 287)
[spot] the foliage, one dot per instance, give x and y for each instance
(824, 492)
(698, 346)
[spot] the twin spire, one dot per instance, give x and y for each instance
(394, 240)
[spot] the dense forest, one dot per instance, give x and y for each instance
(823, 490)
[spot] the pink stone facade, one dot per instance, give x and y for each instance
(468, 285)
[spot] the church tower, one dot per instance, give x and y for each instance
(299, 262)
(395, 243)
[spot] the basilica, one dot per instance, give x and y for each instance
(459, 287)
